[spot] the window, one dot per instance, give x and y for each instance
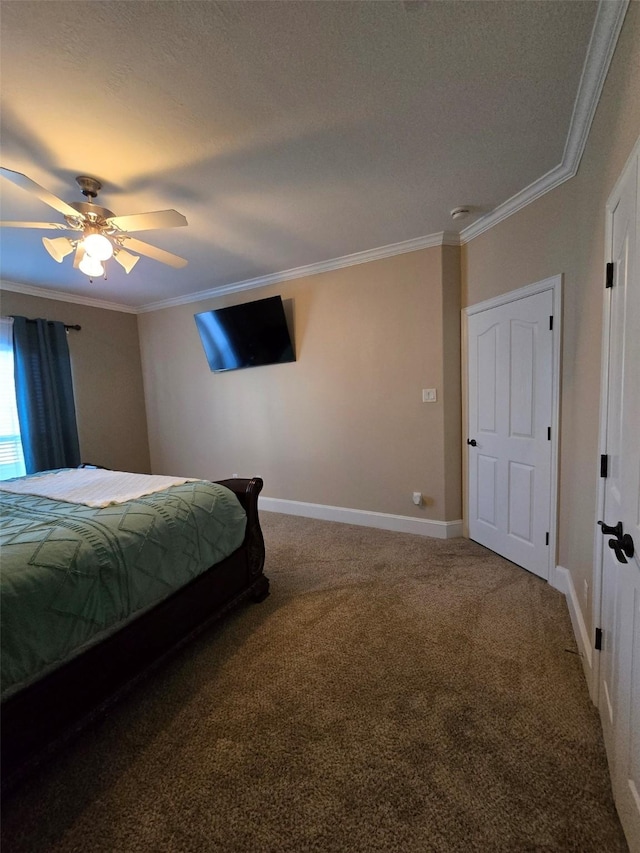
(11, 455)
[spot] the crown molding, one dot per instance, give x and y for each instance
(556, 176)
(444, 238)
(604, 37)
(60, 296)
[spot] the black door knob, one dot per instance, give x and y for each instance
(472, 442)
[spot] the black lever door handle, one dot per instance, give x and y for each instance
(608, 530)
(472, 442)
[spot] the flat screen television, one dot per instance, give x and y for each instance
(247, 335)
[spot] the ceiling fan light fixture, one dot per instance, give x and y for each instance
(98, 246)
(126, 260)
(58, 248)
(91, 266)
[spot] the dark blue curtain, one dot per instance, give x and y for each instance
(44, 394)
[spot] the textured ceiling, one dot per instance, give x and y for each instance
(288, 133)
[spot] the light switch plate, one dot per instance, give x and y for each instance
(428, 395)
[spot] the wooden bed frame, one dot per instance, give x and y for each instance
(41, 717)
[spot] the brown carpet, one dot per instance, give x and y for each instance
(394, 693)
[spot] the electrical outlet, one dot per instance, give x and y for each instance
(428, 395)
(417, 498)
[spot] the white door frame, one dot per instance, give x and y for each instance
(594, 682)
(554, 284)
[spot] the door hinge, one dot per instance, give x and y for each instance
(598, 643)
(548, 433)
(551, 322)
(546, 538)
(609, 281)
(604, 465)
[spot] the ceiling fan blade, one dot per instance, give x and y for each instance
(126, 260)
(155, 253)
(148, 221)
(44, 225)
(27, 184)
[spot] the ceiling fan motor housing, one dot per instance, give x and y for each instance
(94, 213)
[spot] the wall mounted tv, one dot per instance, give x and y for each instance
(247, 335)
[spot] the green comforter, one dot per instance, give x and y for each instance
(73, 574)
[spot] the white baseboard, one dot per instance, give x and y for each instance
(365, 518)
(564, 583)
(559, 579)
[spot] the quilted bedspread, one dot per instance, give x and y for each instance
(73, 574)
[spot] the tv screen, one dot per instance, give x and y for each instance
(247, 335)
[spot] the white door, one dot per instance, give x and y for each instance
(619, 695)
(510, 357)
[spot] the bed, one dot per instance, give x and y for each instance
(101, 580)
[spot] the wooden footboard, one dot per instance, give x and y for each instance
(40, 718)
(247, 492)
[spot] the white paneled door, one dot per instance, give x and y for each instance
(510, 419)
(619, 671)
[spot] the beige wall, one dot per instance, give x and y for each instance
(107, 378)
(451, 366)
(342, 426)
(563, 232)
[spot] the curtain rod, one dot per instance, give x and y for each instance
(67, 327)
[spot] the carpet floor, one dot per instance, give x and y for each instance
(394, 694)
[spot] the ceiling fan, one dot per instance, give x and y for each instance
(103, 235)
